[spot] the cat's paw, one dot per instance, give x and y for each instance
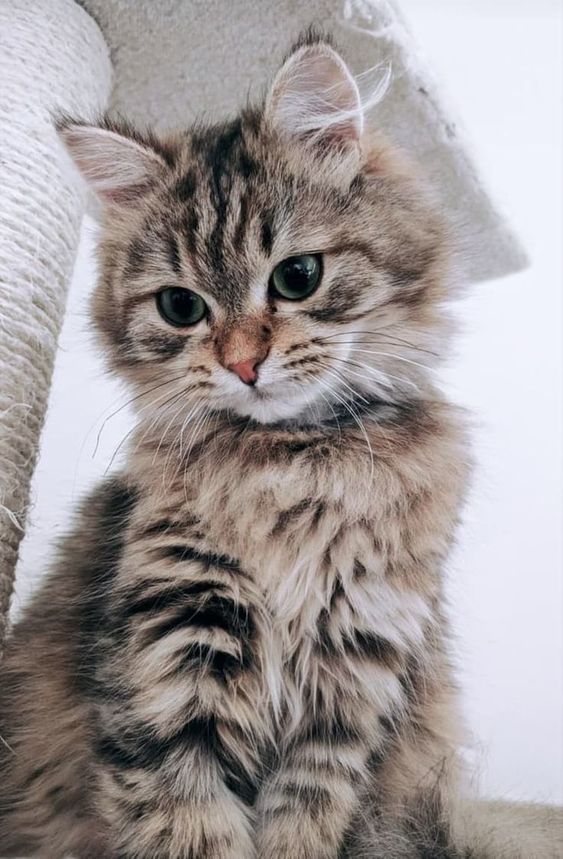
(231, 838)
(226, 842)
(283, 840)
(220, 832)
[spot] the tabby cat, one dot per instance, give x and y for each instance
(242, 652)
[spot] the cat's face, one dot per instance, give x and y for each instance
(278, 267)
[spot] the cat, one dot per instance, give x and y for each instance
(242, 651)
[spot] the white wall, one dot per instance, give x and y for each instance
(501, 63)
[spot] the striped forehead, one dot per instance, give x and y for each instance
(226, 222)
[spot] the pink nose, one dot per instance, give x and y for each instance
(246, 370)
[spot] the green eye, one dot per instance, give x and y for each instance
(296, 277)
(180, 306)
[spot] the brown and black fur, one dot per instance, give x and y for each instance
(242, 652)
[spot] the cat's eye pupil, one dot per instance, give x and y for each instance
(180, 306)
(296, 277)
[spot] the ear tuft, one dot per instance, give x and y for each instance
(116, 162)
(315, 98)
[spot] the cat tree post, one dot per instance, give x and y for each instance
(53, 58)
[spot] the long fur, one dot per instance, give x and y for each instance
(242, 651)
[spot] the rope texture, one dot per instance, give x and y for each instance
(53, 58)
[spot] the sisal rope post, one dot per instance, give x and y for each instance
(53, 58)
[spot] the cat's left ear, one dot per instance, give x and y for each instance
(119, 164)
(314, 100)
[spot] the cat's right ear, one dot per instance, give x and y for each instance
(314, 99)
(119, 164)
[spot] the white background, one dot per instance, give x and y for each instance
(500, 62)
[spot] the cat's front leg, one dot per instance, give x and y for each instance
(352, 693)
(179, 738)
(307, 807)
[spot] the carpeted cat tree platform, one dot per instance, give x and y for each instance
(165, 63)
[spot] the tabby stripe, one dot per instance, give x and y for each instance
(314, 799)
(171, 596)
(203, 656)
(218, 158)
(185, 187)
(356, 247)
(146, 751)
(334, 314)
(159, 527)
(192, 227)
(332, 730)
(173, 253)
(363, 644)
(215, 611)
(164, 345)
(142, 749)
(136, 255)
(266, 235)
(189, 553)
(169, 526)
(242, 783)
(247, 166)
(240, 230)
(331, 766)
(287, 517)
(111, 752)
(371, 646)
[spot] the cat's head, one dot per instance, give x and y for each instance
(279, 266)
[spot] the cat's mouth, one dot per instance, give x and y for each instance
(265, 402)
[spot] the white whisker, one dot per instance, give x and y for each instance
(128, 403)
(392, 355)
(356, 419)
(381, 376)
(135, 428)
(333, 371)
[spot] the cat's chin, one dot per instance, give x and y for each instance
(269, 407)
(268, 411)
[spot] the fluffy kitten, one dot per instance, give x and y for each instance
(241, 652)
